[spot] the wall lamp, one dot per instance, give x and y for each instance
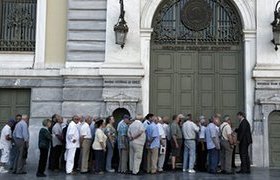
(276, 27)
(121, 29)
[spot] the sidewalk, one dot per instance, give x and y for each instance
(257, 174)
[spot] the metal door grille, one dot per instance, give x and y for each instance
(17, 25)
(225, 27)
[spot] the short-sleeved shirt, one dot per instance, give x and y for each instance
(56, 130)
(85, 131)
(21, 131)
(110, 131)
(175, 130)
(161, 131)
(6, 131)
(122, 135)
(211, 132)
(153, 136)
(135, 129)
(166, 129)
(225, 130)
(190, 129)
(146, 123)
(202, 132)
(100, 137)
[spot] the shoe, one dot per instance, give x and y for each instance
(3, 170)
(23, 172)
(41, 175)
(191, 171)
(84, 172)
(240, 172)
(111, 170)
(100, 173)
(71, 173)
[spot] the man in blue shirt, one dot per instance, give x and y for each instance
(213, 143)
(153, 144)
(123, 143)
(21, 138)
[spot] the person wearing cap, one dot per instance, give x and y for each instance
(99, 146)
(176, 139)
(45, 138)
(190, 130)
(5, 145)
(201, 146)
(227, 145)
(72, 143)
(137, 138)
(123, 143)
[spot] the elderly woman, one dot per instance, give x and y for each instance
(110, 132)
(99, 146)
(45, 138)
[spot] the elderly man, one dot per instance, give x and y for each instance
(21, 138)
(213, 143)
(57, 138)
(5, 145)
(86, 140)
(176, 139)
(162, 133)
(72, 143)
(153, 144)
(190, 130)
(227, 145)
(137, 137)
(123, 143)
(201, 145)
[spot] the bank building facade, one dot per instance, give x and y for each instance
(179, 56)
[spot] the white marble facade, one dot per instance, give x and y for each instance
(99, 76)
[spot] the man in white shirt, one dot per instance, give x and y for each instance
(162, 150)
(86, 140)
(137, 137)
(5, 145)
(190, 130)
(227, 145)
(72, 143)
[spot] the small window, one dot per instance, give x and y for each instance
(17, 25)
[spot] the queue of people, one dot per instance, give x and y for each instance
(144, 144)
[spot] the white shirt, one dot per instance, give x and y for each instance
(202, 132)
(226, 130)
(85, 131)
(134, 129)
(100, 137)
(72, 134)
(189, 130)
(56, 130)
(166, 129)
(161, 131)
(4, 143)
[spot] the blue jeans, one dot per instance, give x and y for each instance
(110, 151)
(213, 160)
(189, 154)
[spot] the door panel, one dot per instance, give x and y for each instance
(12, 102)
(274, 138)
(196, 82)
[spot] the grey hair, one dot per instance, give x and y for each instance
(226, 117)
(45, 122)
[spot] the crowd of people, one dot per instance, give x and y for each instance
(144, 144)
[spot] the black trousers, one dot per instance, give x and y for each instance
(99, 160)
(43, 160)
(56, 154)
(244, 157)
(167, 155)
(201, 156)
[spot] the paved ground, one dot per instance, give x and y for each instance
(257, 174)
